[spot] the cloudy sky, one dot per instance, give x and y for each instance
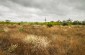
(37, 10)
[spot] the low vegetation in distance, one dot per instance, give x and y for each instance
(49, 24)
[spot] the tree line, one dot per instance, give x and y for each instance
(51, 23)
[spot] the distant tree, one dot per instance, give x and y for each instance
(59, 22)
(7, 21)
(51, 21)
(76, 22)
(64, 23)
(45, 19)
(83, 22)
(69, 20)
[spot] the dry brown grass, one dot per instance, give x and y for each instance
(41, 40)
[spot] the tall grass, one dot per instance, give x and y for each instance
(42, 40)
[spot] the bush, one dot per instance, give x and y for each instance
(49, 24)
(21, 29)
(76, 23)
(83, 22)
(64, 23)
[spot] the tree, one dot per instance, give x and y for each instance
(69, 22)
(7, 21)
(64, 23)
(76, 22)
(83, 22)
(45, 19)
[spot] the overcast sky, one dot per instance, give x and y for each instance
(37, 10)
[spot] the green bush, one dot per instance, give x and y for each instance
(49, 24)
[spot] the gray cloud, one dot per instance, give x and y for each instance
(40, 8)
(52, 5)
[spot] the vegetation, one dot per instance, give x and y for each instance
(42, 38)
(49, 24)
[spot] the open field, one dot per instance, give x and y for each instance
(42, 40)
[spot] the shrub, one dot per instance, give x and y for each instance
(21, 29)
(64, 23)
(83, 22)
(76, 23)
(37, 41)
(49, 24)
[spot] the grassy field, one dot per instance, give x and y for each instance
(42, 40)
